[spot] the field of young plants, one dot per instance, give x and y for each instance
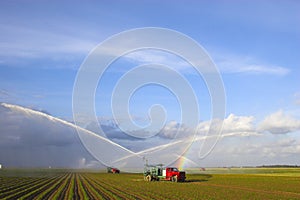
(60, 184)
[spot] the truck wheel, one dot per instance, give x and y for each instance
(174, 179)
(148, 178)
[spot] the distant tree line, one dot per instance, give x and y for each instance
(278, 166)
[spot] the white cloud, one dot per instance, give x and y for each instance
(279, 123)
(225, 62)
(175, 130)
(4, 94)
(235, 123)
(26, 41)
(251, 151)
(262, 69)
(26, 45)
(232, 125)
(297, 98)
(240, 64)
(31, 139)
(159, 57)
(286, 142)
(281, 149)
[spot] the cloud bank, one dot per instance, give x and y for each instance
(279, 123)
(30, 140)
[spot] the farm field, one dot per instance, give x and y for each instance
(62, 184)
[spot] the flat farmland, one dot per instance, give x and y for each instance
(214, 184)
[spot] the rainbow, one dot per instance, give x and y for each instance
(183, 161)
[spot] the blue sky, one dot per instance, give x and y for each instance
(254, 44)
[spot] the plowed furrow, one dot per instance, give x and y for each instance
(67, 184)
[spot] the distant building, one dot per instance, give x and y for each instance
(0, 166)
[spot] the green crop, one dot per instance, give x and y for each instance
(215, 184)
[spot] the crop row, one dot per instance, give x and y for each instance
(73, 186)
(62, 186)
(79, 185)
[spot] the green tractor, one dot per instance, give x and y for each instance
(158, 172)
(113, 170)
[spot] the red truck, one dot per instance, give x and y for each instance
(158, 172)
